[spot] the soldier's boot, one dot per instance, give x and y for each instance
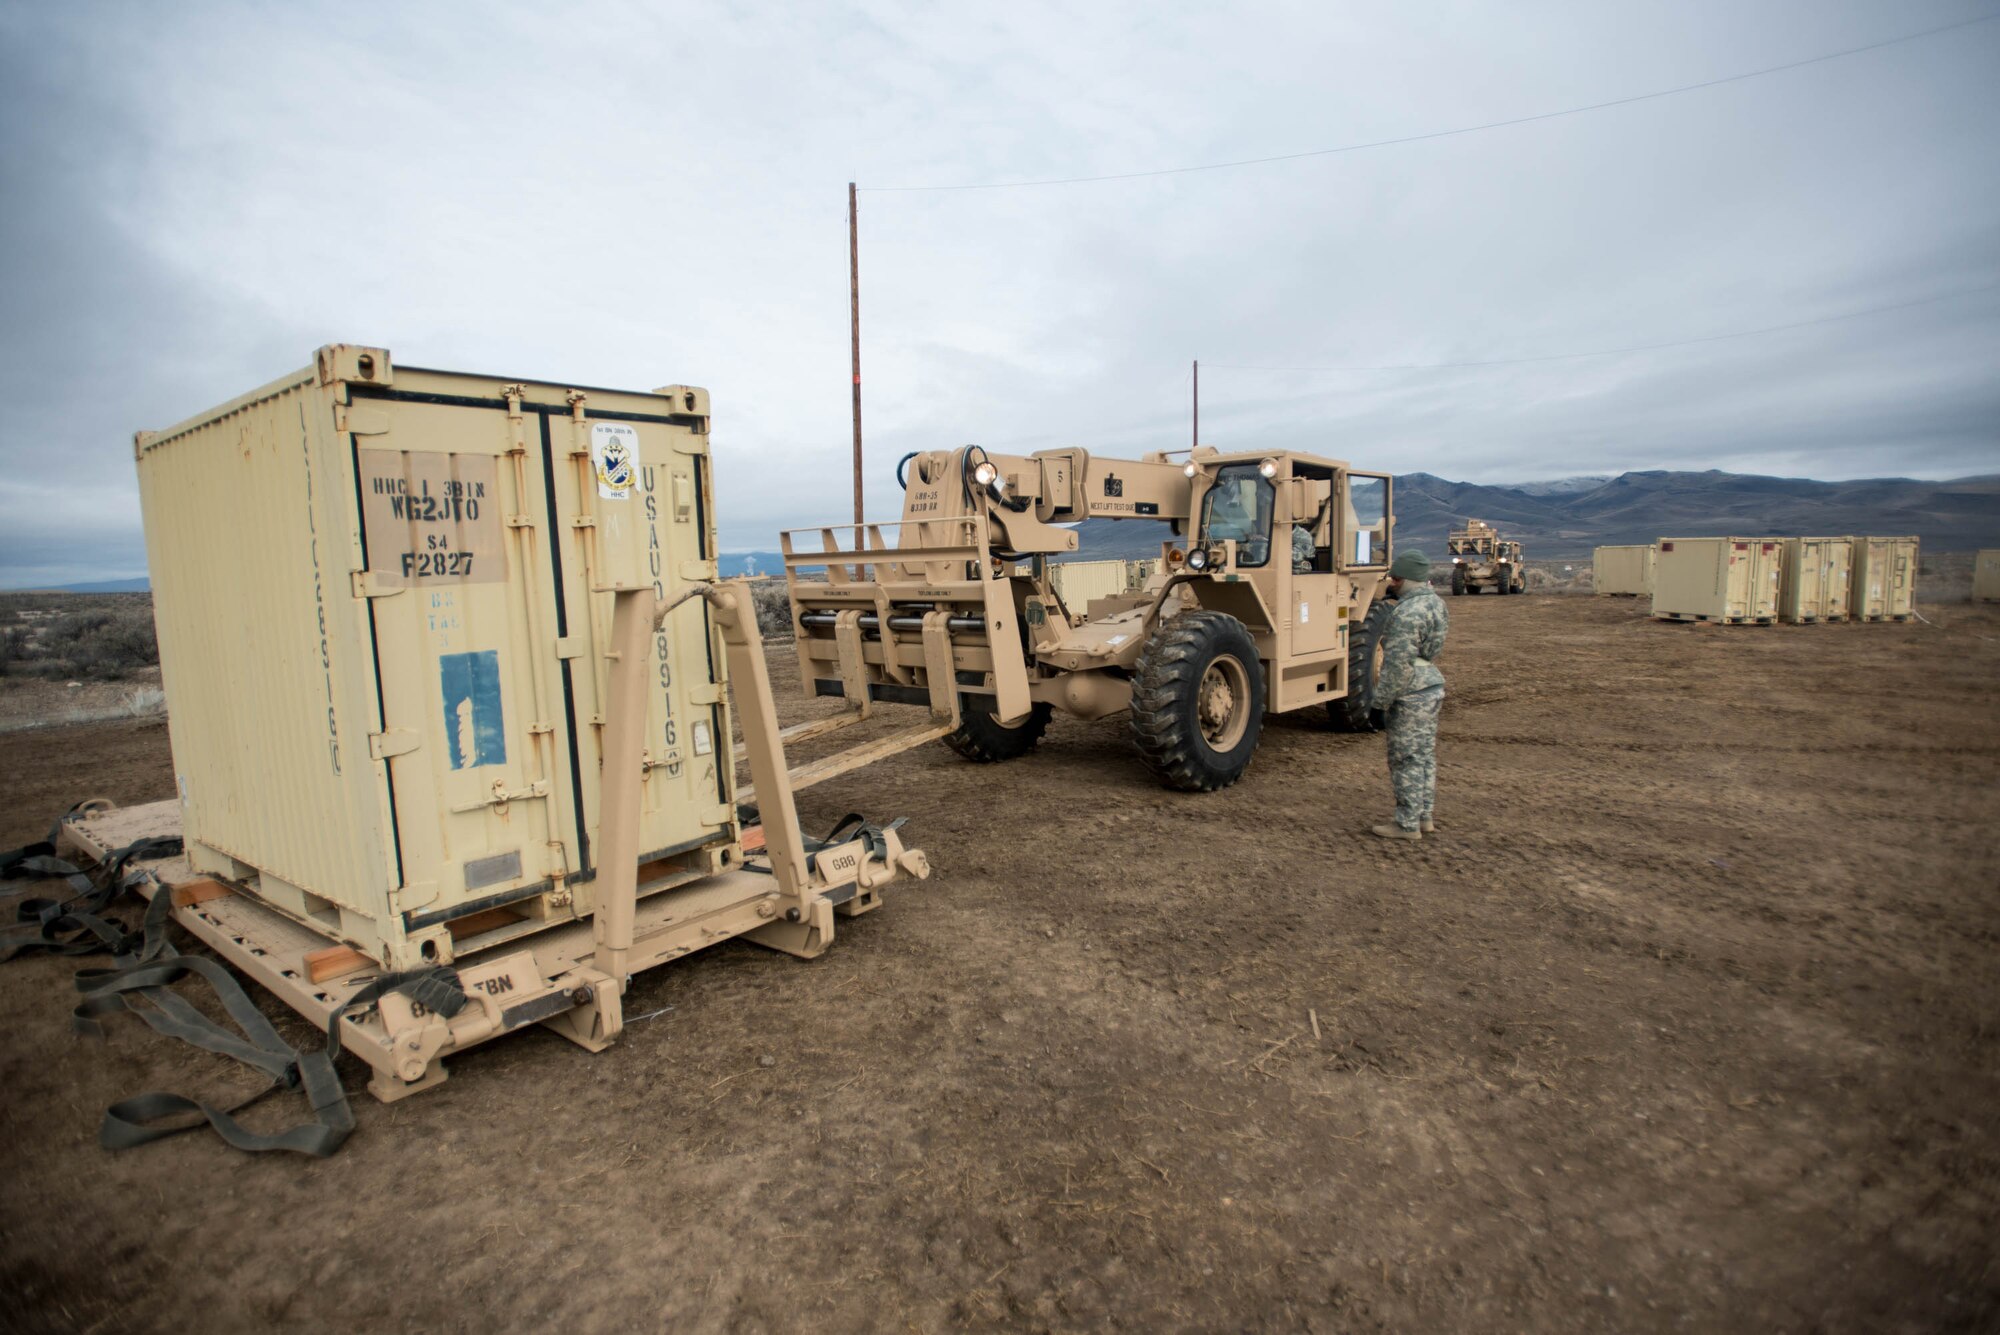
(1427, 826)
(1394, 831)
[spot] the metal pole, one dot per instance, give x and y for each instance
(1195, 438)
(854, 321)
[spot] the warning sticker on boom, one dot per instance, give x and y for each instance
(432, 518)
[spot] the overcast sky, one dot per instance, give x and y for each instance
(198, 195)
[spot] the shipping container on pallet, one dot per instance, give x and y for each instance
(1986, 575)
(1626, 570)
(1080, 583)
(1726, 580)
(1814, 584)
(1885, 579)
(450, 677)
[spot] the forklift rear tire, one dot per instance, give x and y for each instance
(1458, 579)
(1364, 663)
(983, 739)
(1198, 701)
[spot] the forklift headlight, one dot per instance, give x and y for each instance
(1269, 468)
(1197, 559)
(1190, 470)
(984, 473)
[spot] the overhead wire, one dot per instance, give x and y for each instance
(1446, 134)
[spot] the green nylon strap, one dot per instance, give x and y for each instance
(144, 968)
(140, 982)
(73, 926)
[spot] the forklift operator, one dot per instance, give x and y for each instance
(1238, 509)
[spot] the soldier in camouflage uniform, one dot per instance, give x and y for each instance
(1411, 689)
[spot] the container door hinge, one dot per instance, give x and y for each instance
(392, 742)
(707, 693)
(569, 646)
(718, 815)
(697, 570)
(369, 584)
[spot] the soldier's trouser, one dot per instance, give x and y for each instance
(1413, 731)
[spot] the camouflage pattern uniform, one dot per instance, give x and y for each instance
(1302, 549)
(1411, 689)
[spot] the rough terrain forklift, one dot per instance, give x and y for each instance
(1482, 559)
(1267, 601)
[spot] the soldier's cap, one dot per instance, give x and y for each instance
(1411, 565)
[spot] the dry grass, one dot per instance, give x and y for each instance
(107, 636)
(774, 608)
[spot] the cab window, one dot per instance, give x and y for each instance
(1367, 520)
(1237, 507)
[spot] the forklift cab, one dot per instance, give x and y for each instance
(1317, 518)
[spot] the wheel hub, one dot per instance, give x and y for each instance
(1218, 701)
(1222, 703)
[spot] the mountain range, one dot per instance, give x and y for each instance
(1568, 517)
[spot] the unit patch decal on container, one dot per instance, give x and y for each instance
(432, 518)
(474, 729)
(614, 453)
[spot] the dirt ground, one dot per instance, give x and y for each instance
(1685, 1020)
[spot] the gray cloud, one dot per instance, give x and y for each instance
(199, 195)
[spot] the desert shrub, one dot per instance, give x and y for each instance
(101, 641)
(774, 607)
(13, 649)
(144, 701)
(1551, 577)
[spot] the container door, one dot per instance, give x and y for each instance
(1868, 567)
(1902, 578)
(1769, 568)
(688, 796)
(1804, 579)
(457, 621)
(1734, 577)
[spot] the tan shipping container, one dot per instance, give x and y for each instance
(1814, 586)
(1986, 576)
(1884, 586)
(384, 658)
(1717, 579)
(1079, 583)
(1622, 570)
